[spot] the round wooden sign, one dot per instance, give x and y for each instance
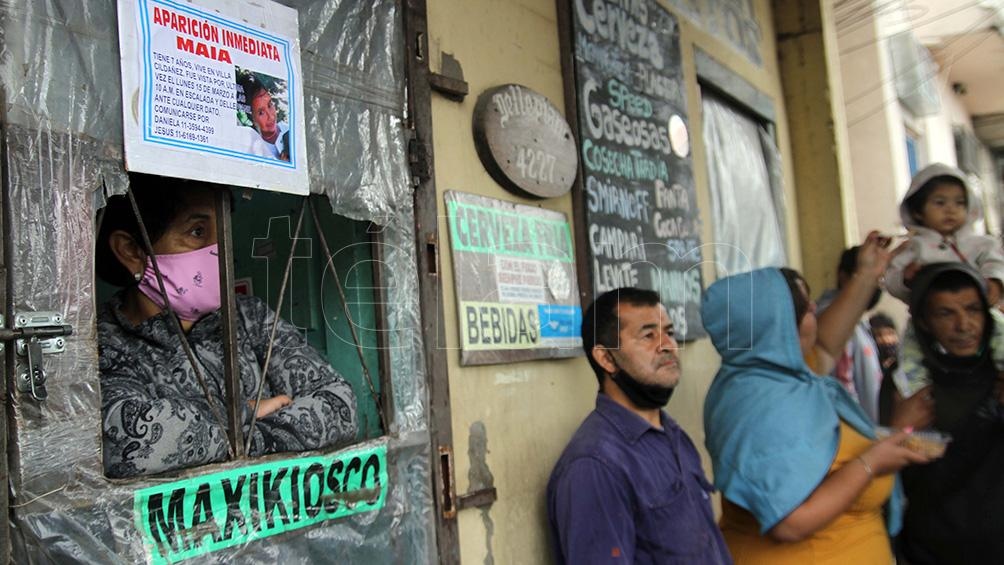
(524, 142)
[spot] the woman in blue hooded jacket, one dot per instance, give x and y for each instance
(795, 457)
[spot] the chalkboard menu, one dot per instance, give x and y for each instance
(641, 208)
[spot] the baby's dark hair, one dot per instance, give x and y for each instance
(160, 201)
(915, 203)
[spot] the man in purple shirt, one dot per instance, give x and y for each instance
(629, 487)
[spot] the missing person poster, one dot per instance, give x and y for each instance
(212, 90)
(517, 295)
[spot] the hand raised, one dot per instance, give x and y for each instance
(874, 254)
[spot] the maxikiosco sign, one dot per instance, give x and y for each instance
(207, 513)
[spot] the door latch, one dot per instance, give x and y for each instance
(35, 334)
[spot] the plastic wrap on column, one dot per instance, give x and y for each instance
(740, 180)
(59, 69)
(53, 178)
(772, 156)
(354, 95)
(60, 73)
(397, 250)
(354, 92)
(92, 521)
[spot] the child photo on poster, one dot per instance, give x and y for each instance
(262, 105)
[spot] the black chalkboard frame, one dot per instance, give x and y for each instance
(572, 79)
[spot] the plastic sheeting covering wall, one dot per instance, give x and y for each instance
(61, 88)
(747, 200)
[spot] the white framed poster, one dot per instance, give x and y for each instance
(212, 90)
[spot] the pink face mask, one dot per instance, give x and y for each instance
(192, 281)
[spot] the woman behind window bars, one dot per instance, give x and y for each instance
(160, 413)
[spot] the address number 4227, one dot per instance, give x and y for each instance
(535, 164)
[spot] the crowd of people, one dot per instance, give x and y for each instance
(832, 439)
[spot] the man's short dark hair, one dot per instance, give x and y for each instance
(600, 325)
(848, 260)
(950, 281)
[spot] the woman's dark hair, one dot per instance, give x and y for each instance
(600, 324)
(160, 201)
(915, 203)
(798, 298)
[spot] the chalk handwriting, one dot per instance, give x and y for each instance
(624, 23)
(625, 203)
(613, 125)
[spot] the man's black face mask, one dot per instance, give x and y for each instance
(643, 395)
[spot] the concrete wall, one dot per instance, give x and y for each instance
(528, 411)
(877, 126)
(808, 62)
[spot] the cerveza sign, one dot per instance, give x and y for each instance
(514, 267)
(482, 229)
(524, 142)
(199, 515)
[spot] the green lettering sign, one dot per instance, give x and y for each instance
(479, 229)
(199, 515)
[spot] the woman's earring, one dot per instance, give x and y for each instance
(137, 276)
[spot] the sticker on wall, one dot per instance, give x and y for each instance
(517, 298)
(519, 280)
(559, 282)
(212, 91)
(679, 138)
(524, 142)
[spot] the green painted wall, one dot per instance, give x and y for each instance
(263, 228)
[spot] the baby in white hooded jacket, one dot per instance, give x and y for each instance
(938, 209)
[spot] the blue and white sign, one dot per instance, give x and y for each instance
(560, 324)
(213, 91)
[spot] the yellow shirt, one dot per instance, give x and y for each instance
(858, 536)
